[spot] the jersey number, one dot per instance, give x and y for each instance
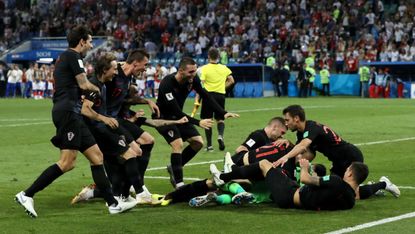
(337, 139)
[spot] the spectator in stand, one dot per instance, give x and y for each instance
(352, 64)
(3, 81)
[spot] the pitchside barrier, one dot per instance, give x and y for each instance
(254, 80)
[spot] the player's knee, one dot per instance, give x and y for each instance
(177, 146)
(67, 164)
(145, 139)
(197, 145)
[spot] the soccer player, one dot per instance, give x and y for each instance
(173, 92)
(119, 101)
(72, 135)
(318, 193)
(216, 79)
(248, 152)
(318, 137)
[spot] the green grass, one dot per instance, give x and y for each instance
(25, 151)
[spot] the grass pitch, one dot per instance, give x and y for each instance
(384, 129)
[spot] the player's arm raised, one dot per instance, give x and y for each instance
(298, 149)
(305, 176)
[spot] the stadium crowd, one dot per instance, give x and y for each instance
(335, 33)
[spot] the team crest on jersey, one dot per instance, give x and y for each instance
(169, 96)
(250, 142)
(305, 135)
(70, 136)
(122, 143)
(170, 133)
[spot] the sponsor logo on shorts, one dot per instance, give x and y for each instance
(122, 143)
(170, 133)
(71, 135)
(169, 96)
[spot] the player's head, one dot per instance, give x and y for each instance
(138, 58)
(213, 54)
(276, 128)
(293, 115)
(358, 170)
(80, 37)
(106, 67)
(187, 68)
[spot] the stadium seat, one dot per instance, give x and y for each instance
(171, 60)
(249, 89)
(155, 61)
(238, 90)
(258, 89)
(232, 61)
(163, 61)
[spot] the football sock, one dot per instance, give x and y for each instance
(133, 175)
(245, 172)
(46, 178)
(365, 191)
(208, 133)
(235, 188)
(224, 199)
(238, 158)
(176, 165)
(144, 159)
(101, 180)
(221, 129)
(187, 154)
(189, 191)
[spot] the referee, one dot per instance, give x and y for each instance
(216, 78)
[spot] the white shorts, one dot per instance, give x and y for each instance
(41, 85)
(141, 84)
(50, 86)
(156, 84)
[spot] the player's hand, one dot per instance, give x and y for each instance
(182, 120)
(111, 122)
(154, 108)
(231, 115)
(140, 113)
(304, 163)
(280, 162)
(206, 123)
(280, 142)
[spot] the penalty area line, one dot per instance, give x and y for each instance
(374, 223)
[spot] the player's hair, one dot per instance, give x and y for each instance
(213, 54)
(360, 171)
(186, 61)
(104, 63)
(295, 110)
(77, 34)
(320, 170)
(137, 55)
(278, 119)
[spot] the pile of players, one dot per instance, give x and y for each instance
(94, 117)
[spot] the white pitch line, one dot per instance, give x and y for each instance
(359, 144)
(386, 141)
(24, 124)
(189, 164)
(277, 108)
(374, 223)
(10, 120)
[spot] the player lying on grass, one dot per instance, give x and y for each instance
(318, 193)
(319, 137)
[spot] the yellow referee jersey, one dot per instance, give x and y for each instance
(214, 77)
